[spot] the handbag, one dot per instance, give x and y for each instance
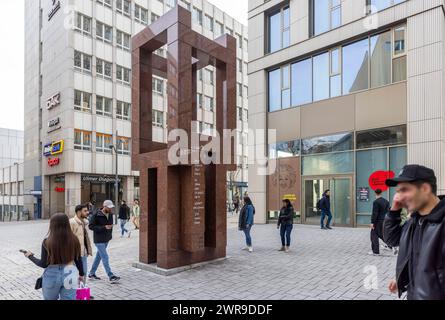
(83, 293)
(39, 283)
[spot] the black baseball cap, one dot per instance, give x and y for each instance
(413, 173)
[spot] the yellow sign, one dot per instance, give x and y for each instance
(57, 147)
(290, 197)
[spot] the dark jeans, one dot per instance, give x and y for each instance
(248, 237)
(285, 231)
(376, 234)
(324, 214)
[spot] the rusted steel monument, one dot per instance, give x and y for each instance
(183, 206)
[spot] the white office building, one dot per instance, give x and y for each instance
(78, 97)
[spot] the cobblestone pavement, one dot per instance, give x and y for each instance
(322, 265)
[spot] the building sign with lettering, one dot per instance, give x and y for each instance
(99, 179)
(377, 180)
(53, 101)
(363, 194)
(54, 125)
(59, 189)
(52, 162)
(54, 148)
(55, 8)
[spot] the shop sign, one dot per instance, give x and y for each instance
(52, 162)
(55, 8)
(59, 179)
(363, 194)
(54, 148)
(290, 197)
(99, 179)
(54, 125)
(53, 101)
(377, 180)
(47, 149)
(58, 189)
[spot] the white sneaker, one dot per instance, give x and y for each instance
(385, 247)
(370, 253)
(250, 249)
(245, 249)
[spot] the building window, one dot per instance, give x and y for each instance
(82, 101)
(104, 69)
(229, 31)
(140, 14)
(170, 3)
(239, 89)
(103, 142)
(334, 143)
(239, 39)
(154, 17)
(104, 2)
(208, 103)
(123, 145)
(208, 22)
(199, 103)
(82, 23)
(378, 5)
(335, 72)
(321, 76)
(123, 74)
(185, 4)
(123, 40)
(274, 90)
(197, 16)
(219, 29)
(158, 86)
(82, 140)
(209, 76)
(301, 90)
(82, 61)
(279, 30)
(399, 54)
(104, 106)
(326, 15)
(355, 66)
(104, 32)
(381, 137)
(286, 149)
(158, 119)
(124, 7)
(123, 110)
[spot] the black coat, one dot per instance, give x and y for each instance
(429, 274)
(380, 208)
(97, 224)
(325, 203)
(286, 216)
(124, 212)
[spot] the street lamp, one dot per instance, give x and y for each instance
(116, 182)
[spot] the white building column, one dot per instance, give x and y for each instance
(73, 194)
(426, 93)
(128, 190)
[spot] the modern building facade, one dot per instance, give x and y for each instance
(78, 96)
(354, 89)
(11, 193)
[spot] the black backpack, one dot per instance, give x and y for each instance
(319, 204)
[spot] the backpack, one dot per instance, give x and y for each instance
(319, 204)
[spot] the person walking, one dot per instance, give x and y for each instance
(102, 226)
(236, 202)
(245, 222)
(380, 208)
(420, 264)
(286, 224)
(78, 226)
(60, 256)
(325, 207)
(124, 217)
(136, 214)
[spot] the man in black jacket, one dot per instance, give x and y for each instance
(380, 208)
(101, 223)
(421, 262)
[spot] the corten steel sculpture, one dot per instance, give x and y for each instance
(183, 207)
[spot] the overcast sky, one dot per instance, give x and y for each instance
(12, 56)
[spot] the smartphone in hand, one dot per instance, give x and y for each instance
(23, 251)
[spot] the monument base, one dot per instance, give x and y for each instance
(169, 272)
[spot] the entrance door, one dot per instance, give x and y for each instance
(341, 199)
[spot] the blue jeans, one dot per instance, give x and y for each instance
(248, 237)
(101, 255)
(54, 286)
(285, 231)
(123, 223)
(325, 213)
(85, 268)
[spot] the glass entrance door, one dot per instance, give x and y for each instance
(341, 199)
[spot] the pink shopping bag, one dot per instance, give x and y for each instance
(83, 293)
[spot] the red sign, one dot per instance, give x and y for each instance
(378, 178)
(59, 189)
(53, 162)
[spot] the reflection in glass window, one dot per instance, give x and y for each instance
(274, 90)
(381, 59)
(285, 149)
(398, 158)
(334, 143)
(302, 82)
(381, 137)
(285, 87)
(321, 76)
(279, 30)
(355, 66)
(378, 5)
(330, 163)
(326, 15)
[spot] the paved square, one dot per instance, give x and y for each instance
(322, 265)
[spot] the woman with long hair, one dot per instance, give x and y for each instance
(245, 222)
(61, 254)
(285, 224)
